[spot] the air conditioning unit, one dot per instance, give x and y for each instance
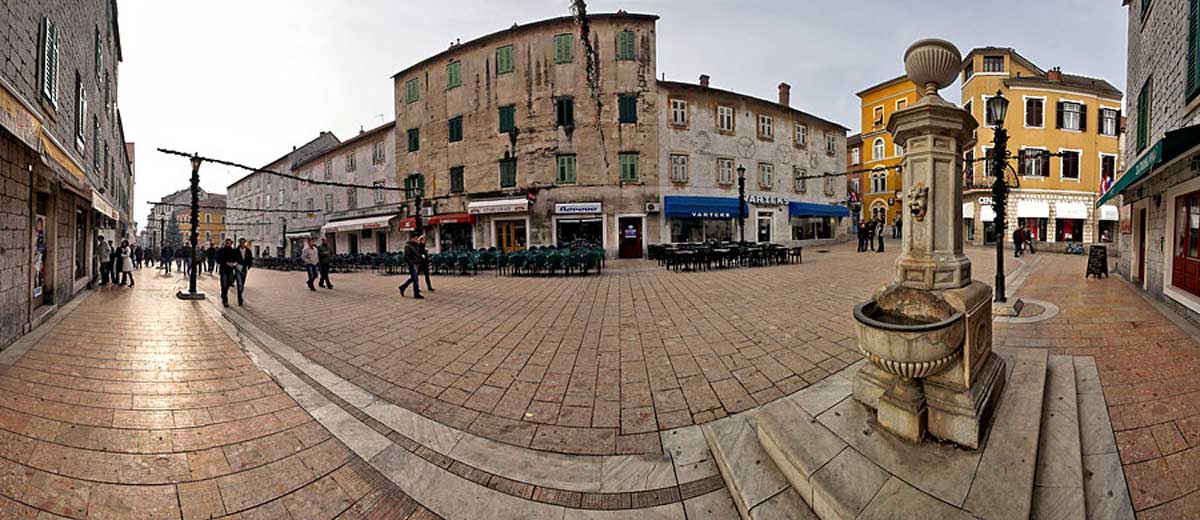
(426, 212)
(653, 207)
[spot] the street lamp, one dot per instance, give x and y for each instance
(195, 234)
(741, 170)
(997, 108)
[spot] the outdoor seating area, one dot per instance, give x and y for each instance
(723, 255)
(340, 263)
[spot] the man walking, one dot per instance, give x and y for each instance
(412, 257)
(104, 253)
(896, 226)
(324, 258)
(168, 256)
(879, 228)
(210, 256)
(425, 263)
(1018, 238)
(233, 266)
(1029, 240)
(309, 256)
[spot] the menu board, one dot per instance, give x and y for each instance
(1097, 262)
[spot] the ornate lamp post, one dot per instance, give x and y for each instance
(741, 171)
(997, 108)
(194, 236)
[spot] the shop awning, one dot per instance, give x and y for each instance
(452, 218)
(1110, 212)
(987, 213)
(302, 234)
(484, 207)
(1071, 210)
(1174, 144)
(1033, 209)
(104, 207)
(701, 207)
(408, 224)
(809, 209)
(376, 222)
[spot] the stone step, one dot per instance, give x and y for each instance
(1105, 492)
(1058, 485)
(760, 490)
(1003, 486)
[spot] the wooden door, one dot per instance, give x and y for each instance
(630, 229)
(380, 241)
(510, 235)
(1141, 245)
(354, 242)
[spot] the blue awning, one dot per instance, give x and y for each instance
(701, 207)
(808, 209)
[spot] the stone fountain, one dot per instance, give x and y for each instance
(928, 334)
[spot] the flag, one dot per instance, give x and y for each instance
(1106, 183)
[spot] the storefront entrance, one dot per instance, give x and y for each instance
(764, 226)
(42, 283)
(455, 237)
(631, 237)
(353, 236)
(510, 235)
(381, 245)
(580, 232)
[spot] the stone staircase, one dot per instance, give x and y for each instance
(1050, 454)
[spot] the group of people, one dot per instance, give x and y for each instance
(1022, 238)
(417, 258)
(233, 263)
(116, 264)
(872, 229)
(316, 262)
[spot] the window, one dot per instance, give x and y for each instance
(96, 143)
(208, 218)
(1034, 163)
(968, 71)
(1187, 243)
(993, 63)
(766, 175)
(564, 111)
(629, 166)
(504, 60)
(799, 180)
(379, 153)
(80, 111)
(766, 127)
(1108, 171)
(414, 139)
(625, 45)
(328, 170)
(564, 48)
(351, 198)
(507, 119)
(456, 180)
(455, 129)
(1072, 116)
(351, 163)
(99, 61)
(724, 170)
(724, 119)
(1192, 85)
(987, 161)
(453, 75)
(1143, 116)
(268, 205)
(679, 112)
(1109, 121)
(566, 169)
(49, 57)
(877, 149)
(830, 144)
(1145, 8)
(897, 149)
(412, 90)
(508, 173)
(968, 166)
(626, 109)
(901, 104)
(308, 204)
(414, 186)
(379, 196)
(877, 116)
(279, 201)
(855, 156)
(1034, 108)
(878, 180)
(1070, 165)
(801, 136)
(829, 191)
(679, 168)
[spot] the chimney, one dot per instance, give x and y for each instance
(785, 94)
(1054, 74)
(704, 80)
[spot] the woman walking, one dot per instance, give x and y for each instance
(125, 261)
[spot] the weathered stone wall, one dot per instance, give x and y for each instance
(1157, 49)
(14, 238)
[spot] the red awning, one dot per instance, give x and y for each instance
(452, 218)
(408, 224)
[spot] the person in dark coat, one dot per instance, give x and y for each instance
(210, 256)
(412, 257)
(233, 265)
(168, 256)
(862, 236)
(1029, 240)
(104, 254)
(1018, 238)
(879, 231)
(425, 263)
(324, 259)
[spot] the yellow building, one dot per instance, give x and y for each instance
(212, 221)
(1049, 111)
(881, 184)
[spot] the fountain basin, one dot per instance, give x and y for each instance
(908, 332)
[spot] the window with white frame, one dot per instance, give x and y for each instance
(49, 55)
(379, 154)
(878, 180)
(725, 118)
(351, 163)
(800, 179)
(1035, 112)
(766, 127)
(1071, 116)
(877, 116)
(1109, 119)
(801, 134)
(828, 185)
(1034, 162)
(766, 175)
(679, 112)
(830, 144)
(901, 104)
(855, 156)
(1070, 165)
(897, 149)
(679, 167)
(724, 170)
(877, 149)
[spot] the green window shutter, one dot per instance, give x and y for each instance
(625, 45)
(507, 119)
(508, 173)
(1143, 116)
(564, 112)
(412, 90)
(566, 169)
(456, 179)
(1193, 51)
(564, 48)
(504, 59)
(453, 75)
(455, 129)
(629, 167)
(414, 139)
(627, 109)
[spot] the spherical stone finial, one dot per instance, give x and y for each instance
(933, 64)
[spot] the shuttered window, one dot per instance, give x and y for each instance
(1193, 51)
(453, 75)
(508, 173)
(412, 90)
(49, 56)
(455, 129)
(456, 180)
(627, 109)
(564, 111)
(507, 119)
(99, 59)
(1070, 165)
(1034, 113)
(414, 139)
(566, 169)
(1143, 116)
(629, 166)
(626, 45)
(80, 111)
(414, 186)
(504, 59)
(564, 48)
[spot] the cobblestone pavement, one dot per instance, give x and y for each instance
(586, 365)
(135, 405)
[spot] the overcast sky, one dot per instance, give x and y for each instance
(247, 80)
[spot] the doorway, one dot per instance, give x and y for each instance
(353, 243)
(631, 237)
(381, 242)
(764, 226)
(1141, 245)
(510, 235)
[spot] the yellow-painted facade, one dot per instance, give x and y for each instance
(881, 184)
(210, 231)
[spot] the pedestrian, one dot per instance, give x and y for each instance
(1029, 240)
(1018, 238)
(896, 224)
(234, 263)
(324, 259)
(210, 257)
(125, 263)
(862, 236)
(412, 257)
(879, 225)
(104, 255)
(425, 264)
(138, 254)
(168, 257)
(870, 233)
(113, 267)
(309, 257)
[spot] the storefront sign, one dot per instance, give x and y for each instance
(18, 119)
(577, 208)
(104, 207)
(1126, 221)
(766, 200)
(485, 207)
(985, 201)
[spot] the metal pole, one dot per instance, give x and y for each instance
(194, 235)
(741, 205)
(1000, 204)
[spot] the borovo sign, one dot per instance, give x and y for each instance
(577, 208)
